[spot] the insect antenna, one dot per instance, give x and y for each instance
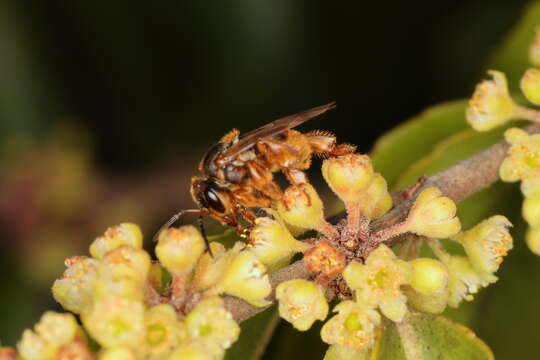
(174, 219)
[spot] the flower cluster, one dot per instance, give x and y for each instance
(491, 106)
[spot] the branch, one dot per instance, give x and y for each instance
(457, 182)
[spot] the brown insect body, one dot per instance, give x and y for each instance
(239, 170)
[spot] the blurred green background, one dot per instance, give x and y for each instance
(106, 107)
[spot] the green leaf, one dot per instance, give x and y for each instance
(395, 151)
(512, 56)
(254, 336)
(427, 337)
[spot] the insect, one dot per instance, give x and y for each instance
(238, 171)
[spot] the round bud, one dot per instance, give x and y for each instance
(530, 85)
(116, 236)
(301, 206)
(428, 275)
(348, 175)
(179, 249)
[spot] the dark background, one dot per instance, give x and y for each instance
(107, 106)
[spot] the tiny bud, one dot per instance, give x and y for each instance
(117, 354)
(116, 236)
(34, 347)
(74, 290)
(301, 302)
(464, 280)
(487, 243)
(115, 322)
(531, 211)
(523, 161)
(353, 326)
(348, 176)
(491, 104)
(433, 215)
(244, 276)
(273, 244)
(210, 268)
(301, 206)
(179, 249)
(532, 237)
(434, 303)
(211, 325)
(534, 49)
(530, 85)
(428, 276)
(325, 259)
(378, 281)
(57, 329)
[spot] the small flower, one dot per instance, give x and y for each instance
(115, 322)
(487, 243)
(74, 290)
(523, 161)
(428, 276)
(301, 206)
(273, 244)
(352, 178)
(211, 325)
(534, 49)
(491, 104)
(116, 236)
(179, 249)
(532, 237)
(325, 259)
(163, 331)
(378, 281)
(243, 276)
(122, 273)
(530, 85)
(531, 211)
(301, 302)
(117, 354)
(353, 326)
(433, 215)
(464, 280)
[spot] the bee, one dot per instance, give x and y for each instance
(238, 171)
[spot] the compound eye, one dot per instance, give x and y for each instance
(212, 200)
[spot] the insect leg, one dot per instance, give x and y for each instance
(203, 233)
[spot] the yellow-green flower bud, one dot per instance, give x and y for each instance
(523, 161)
(433, 215)
(210, 324)
(531, 211)
(117, 354)
(74, 290)
(348, 175)
(115, 322)
(378, 281)
(352, 178)
(116, 236)
(353, 326)
(434, 303)
(530, 85)
(491, 104)
(487, 243)
(273, 244)
(464, 280)
(246, 278)
(301, 302)
(534, 49)
(210, 268)
(164, 332)
(301, 206)
(191, 352)
(532, 237)
(52, 332)
(428, 276)
(180, 249)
